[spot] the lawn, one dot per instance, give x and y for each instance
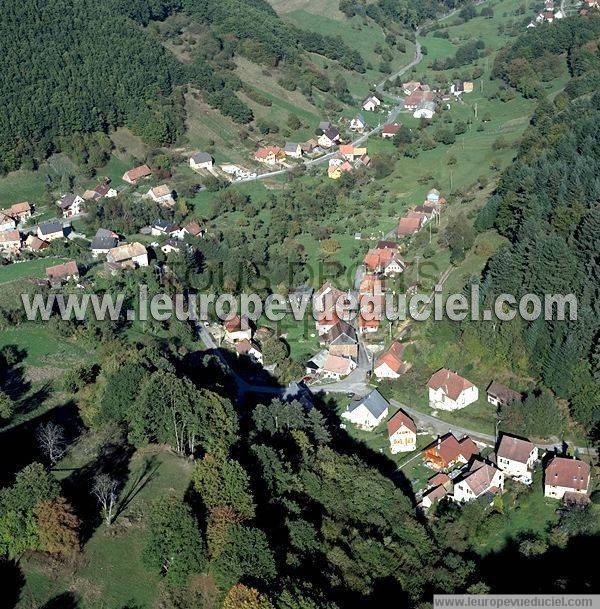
(110, 571)
(34, 268)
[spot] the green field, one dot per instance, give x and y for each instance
(29, 268)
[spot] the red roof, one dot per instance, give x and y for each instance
(515, 449)
(449, 382)
(409, 226)
(448, 449)
(263, 153)
(143, 171)
(62, 271)
(391, 129)
(569, 473)
(398, 420)
(392, 357)
(438, 479)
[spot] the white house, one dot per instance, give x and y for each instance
(201, 160)
(293, 150)
(161, 194)
(366, 413)
(250, 349)
(402, 433)
(70, 205)
(49, 231)
(450, 391)
(480, 479)
(434, 495)
(104, 240)
(237, 329)
(337, 367)
(433, 196)
(425, 109)
(6, 223)
(516, 458)
(371, 103)
(129, 255)
(390, 364)
(10, 241)
(563, 475)
(358, 123)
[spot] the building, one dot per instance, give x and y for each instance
(358, 123)
(62, 272)
(316, 363)
(416, 98)
(516, 458)
(201, 160)
(10, 242)
(426, 109)
(371, 103)
(162, 227)
(171, 245)
(103, 241)
(325, 321)
(390, 364)
(237, 328)
(133, 176)
(19, 212)
(7, 223)
(447, 451)
(35, 244)
(326, 297)
(390, 130)
(410, 87)
(337, 367)
(481, 479)
(161, 194)
(127, 256)
(330, 137)
(402, 433)
(433, 196)
(70, 205)
(293, 150)
(193, 229)
(269, 155)
(249, 349)
(342, 340)
(450, 391)
(563, 475)
(368, 412)
(501, 395)
(51, 230)
(433, 496)
(408, 226)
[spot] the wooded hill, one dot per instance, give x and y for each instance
(85, 66)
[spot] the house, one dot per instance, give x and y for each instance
(161, 194)
(411, 87)
(342, 340)
(426, 109)
(70, 205)
(127, 256)
(162, 227)
(390, 130)
(446, 451)
(501, 395)
(309, 146)
(102, 190)
(269, 155)
(480, 479)
(450, 391)
(325, 125)
(19, 212)
(201, 160)
(358, 123)
(409, 226)
(402, 433)
(51, 230)
(563, 475)
(429, 211)
(7, 222)
(103, 241)
(387, 245)
(293, 150)
(62, 272)
(419, 215)
(368, 412)
(10, 241)
(35, 244)
(330, 137)
(433, 496)
(316, 362)
(368, 321)
(133, 176)
(337, 367)
(371, 103)
(516, 457)
(457, 88)
(325, 321)
(416, 98)
(237, 328)
(172, 245)
(326, 297)
(390, 364)
(433, 196)
(250, 349)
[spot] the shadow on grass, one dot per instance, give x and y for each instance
(66, 600)
(13, 580)
(146, 475)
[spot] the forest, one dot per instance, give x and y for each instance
(546, 204)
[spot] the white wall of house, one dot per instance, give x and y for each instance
(403, 440)
(438, 399)
(362, 418)
(557, 492)
(517, 469)
(383, 371)
(141, 260)
(463, 492)
(237, 335)
(205, 165)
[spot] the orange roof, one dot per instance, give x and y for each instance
(379, 258)
(346, 149)
(392, 357)
(20, 208)
(327, 318)
(371, 284)
(391, 128)
(263, 153)
(439, 478)
(409, 226)
(337, 364)
(368, 323)
(346, 167)
(447, 449)
(61, 271)
(9, 236)
(143, 171)
(398, 420)
(449, 382)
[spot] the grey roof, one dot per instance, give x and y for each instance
(374, 402)
(332, 133)
(162, 224)
(52, 226)
(324, 125)
(104, 239)
(291, 147)
(341, 333)
(201, 157)
(318, 360)
(426, 105)
(67, 200)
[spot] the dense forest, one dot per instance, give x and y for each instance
(78, 66)
(547, 206)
